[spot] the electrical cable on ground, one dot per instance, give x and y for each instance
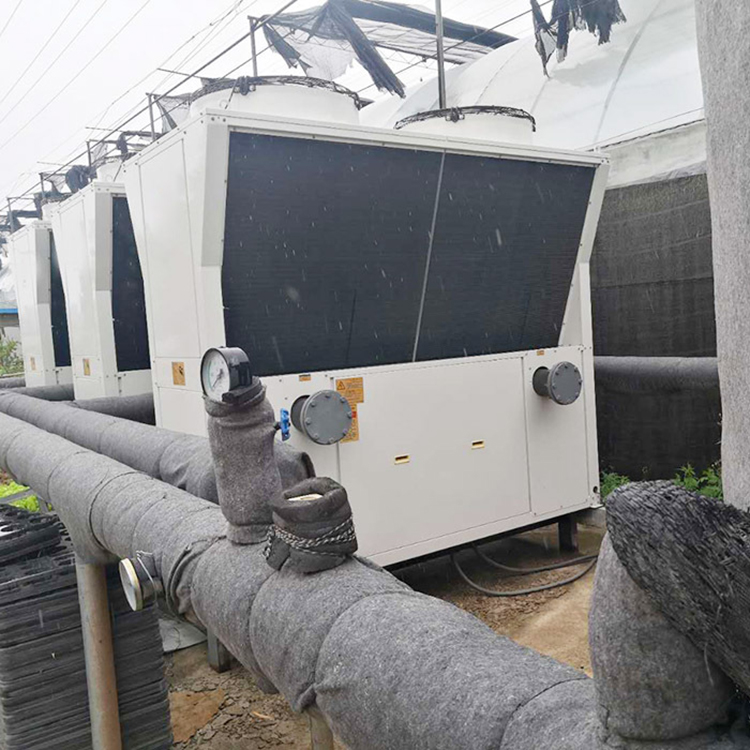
(524, 571)
(534, 589)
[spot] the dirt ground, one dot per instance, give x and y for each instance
(227, 712)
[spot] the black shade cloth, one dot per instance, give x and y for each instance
(58, 314)
(128, 302)
(652, 271)
(652, 295)
(326, 248)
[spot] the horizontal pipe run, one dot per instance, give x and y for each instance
(138, 408)
(344, 640)
(389, 669)
(183, 461)
(46, 392)
(12, 381)
(656, 374)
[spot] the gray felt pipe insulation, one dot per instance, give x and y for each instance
(138, 408)
(173, 457)
(47, 392)
(389, 668)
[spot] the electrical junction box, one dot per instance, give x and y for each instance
(424, 277)
(103, 284)
(41, 305)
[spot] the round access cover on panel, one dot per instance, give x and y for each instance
(325, 417)
(562, 383)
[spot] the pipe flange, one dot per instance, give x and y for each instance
(140, 581)
(561, 383)
(325, 417)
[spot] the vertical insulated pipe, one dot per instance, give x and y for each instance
(98, 650)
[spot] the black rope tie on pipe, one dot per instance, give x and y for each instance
(313, 529)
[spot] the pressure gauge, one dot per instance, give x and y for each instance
(224, 370)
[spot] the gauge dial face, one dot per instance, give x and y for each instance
(215, 375)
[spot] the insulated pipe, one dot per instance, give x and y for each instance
(650, 374)
(181, 460)
(242, 437)
(389, 669)
(12, 381)
(98, 649)
(47, 392)
(138, 408)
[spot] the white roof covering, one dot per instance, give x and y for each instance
(645, 80)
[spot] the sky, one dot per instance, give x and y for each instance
(71, 68)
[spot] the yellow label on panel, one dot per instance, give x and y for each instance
(540, 352)
(305, 378)
(32, 362)
(178, 373)
(353, 435)
(86, 366)
(352, 389)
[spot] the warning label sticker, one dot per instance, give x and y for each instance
(353, 435)
(178, 373)
(352, 389)
(86, 366)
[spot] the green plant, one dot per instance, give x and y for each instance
(610, 481)
(11, 363)
(27, 503)
(11, 488)
(708, 483)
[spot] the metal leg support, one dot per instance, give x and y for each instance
(321, 736)
(219, 659)
(100, 659)
(567, 529)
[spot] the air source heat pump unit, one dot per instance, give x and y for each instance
(41, 305)
(101, 274)
(440, 285)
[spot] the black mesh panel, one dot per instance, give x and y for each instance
(506, 243)
(58, 314)
(324, 251)
(128, 304)
(326, 246)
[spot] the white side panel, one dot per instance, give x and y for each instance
(558, 437)
(133, 382)
(30, 256)
(79, 235)
(185, 410)
(83, 228)
(417, 472)
(167, 239)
